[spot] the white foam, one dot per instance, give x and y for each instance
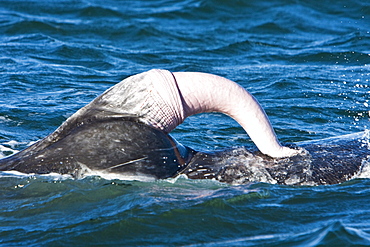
(365, 171)
(116, 176)
(12, 143)
(86, 172)
(14, 174)
(365, 139)
(4, 149)
(17, 174)
(10, 147)
(179, 177)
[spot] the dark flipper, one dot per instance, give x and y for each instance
(109, 144)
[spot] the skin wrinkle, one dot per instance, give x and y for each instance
(183, 102)
(168, 112)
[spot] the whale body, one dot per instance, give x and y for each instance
(123, 145)
(326, 161)
(111, 144)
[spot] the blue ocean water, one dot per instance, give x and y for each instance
(306, 62)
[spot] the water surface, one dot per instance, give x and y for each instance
(306, 62)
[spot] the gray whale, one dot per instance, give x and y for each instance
(108, 144)
(123, 145)
(326, 161)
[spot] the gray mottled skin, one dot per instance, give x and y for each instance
(327, 161)
(111, 144)
(124, 131)
(122, 145)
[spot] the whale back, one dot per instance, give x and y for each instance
(119, 145)
(326, 161)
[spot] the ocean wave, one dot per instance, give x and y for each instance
(11, 147)
(306, 62)
(333, 234)
(351, 58)
(101, 11)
